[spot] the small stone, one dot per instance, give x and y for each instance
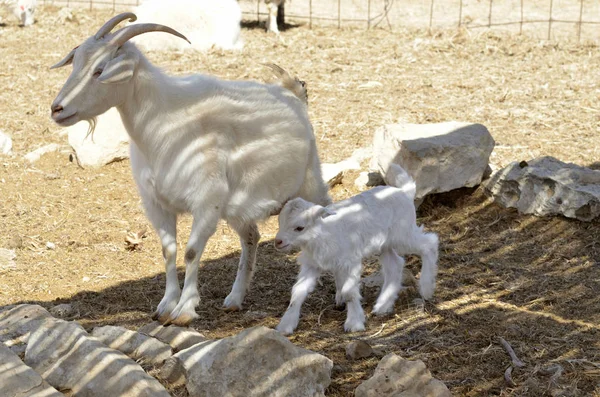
(358, 349)
(333, 174)
(368, 179)
(395, 376)
(85, 279)
(50, 245)
(178, 338)
(63, 310)
(15, 242)
(34, 156)
(5, 144)
(7, 259)
(255, 315)
(140, 347)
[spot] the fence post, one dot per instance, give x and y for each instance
(490, 15)
(369, 14)
(309, 14)
(114, 5)
(258, 11)
(339, 14)
(431, 16)
(521, 27)
(580, 22)
(550, 20)
(460, 13)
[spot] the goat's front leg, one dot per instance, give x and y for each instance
(307, 279)
(249, 237)
(203, 227)
(355, 318)
(165, 224)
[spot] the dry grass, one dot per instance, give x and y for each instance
(532, 281)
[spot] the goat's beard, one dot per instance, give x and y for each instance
(91, 128)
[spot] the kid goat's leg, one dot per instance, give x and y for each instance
(307, 279)
(203, 226)
(249, 237)
(355, 318)
(392, 266)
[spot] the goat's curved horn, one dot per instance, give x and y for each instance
(114, 21)
(121, 36)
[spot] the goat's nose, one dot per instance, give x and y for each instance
(278, 243)
(56, 109)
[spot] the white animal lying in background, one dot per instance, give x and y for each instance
(336, 238)
(22, 9)
(206, 23)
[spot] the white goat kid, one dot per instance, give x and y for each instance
(23, 10)
(336, 238)
(212, 148)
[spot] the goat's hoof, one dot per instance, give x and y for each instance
(161, 318)
(284, 330)
(182, 321)
(232, 308)
(354, 327)
(233, 303)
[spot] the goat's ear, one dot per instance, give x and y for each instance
(323, 212)
(66, 60)
(119, 69)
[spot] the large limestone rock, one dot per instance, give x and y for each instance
(178, 338)
(257, 362)
(440, 157)
(18, 322)
(18, 380)
(68, 358)
(138, 346)
(109, 142)
(397, 377)
(547, 186)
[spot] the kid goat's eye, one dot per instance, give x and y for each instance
(97, 73)
(299, 228)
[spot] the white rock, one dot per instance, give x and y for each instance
(17, 323)
(368, 179)
(34, 156)
(68, 358)
(138, 346)
(178, 338)
(395, 376)
(334, 173)
(257, 362)
(440, 157)
(547, 186)
(50, 245)
(19, 380)
(5, 144)
(108, 143)
(7, 259)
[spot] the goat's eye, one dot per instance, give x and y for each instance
(97, 73)
(299, 228)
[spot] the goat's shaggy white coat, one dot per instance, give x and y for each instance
(206, 23)
(235, 150)
(336, 238)
(23, 10)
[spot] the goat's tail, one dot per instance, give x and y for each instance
(397, 177)
(296, 86)
(428, 243)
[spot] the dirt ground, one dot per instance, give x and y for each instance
(533, 281)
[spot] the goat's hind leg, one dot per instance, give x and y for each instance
(249, 237)
(350, 293)
(392, 266)
(203, 227)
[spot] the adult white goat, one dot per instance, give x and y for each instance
(236, 150)
(23, 10)
(336, 238)
(274, 7)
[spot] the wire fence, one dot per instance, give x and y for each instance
(550, 19)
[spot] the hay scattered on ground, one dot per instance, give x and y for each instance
(532, 281)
